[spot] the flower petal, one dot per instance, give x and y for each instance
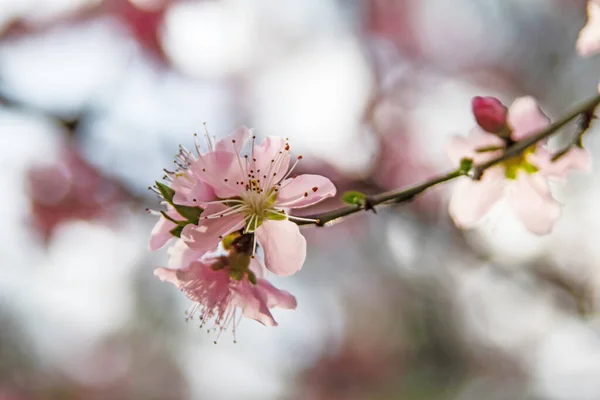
(252, 303)
(210, 231)
(303, 191)
(181, 255)
(575, 159)
(168, 275)
(283, 245)
(189, 190)
(460, 147)
(221, 170)
(235, 141)
(526, 118)
(161, 234)
(272, 159)
(533, 203)
(275, 297)
(588, 42)
(471, 200)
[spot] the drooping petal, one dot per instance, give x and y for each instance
(272, 159)
(460, 147)
(234, 142)
(532, 202)
(161, 234)
(181, 255)
(257, 266)
(588, 42)
(275, 297)
(253, 304)
(304, 190)
(526, 118)
(221, 170)
(471, 200)
(283, 245)
(575, 159)
(210, 231)
(168, 275)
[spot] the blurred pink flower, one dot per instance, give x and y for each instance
(69, 189)
(522, 179)
(220, 285)
(588, 42)
(255, 191)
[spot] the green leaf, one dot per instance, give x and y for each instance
(166, 192)
(465, 165)
(353, 197)
(192, 214)
(177, 230)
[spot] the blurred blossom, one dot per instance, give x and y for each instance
(70, 189)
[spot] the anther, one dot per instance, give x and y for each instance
(315, 189)
(305, 194)
(300, 157)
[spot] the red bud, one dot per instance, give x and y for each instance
(489, 113)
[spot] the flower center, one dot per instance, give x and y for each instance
(514, 164)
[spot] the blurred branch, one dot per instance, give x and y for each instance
(475, 172)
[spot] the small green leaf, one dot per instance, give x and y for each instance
(465, 165)
(192, 214)
(353, 197)
(164, 214)
(276, 216)
(166, 192)
(177, 230)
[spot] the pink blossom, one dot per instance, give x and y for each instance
(588, 42)
(189, 191)
(221, 286)
(523, 180)
(256, 191)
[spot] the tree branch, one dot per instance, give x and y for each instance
(586, 110)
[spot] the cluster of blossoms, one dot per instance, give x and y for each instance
(523, 179)
(229, 215)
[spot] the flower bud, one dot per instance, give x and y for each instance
(489, 113)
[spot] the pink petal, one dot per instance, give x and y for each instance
(272, 159)
(181, 255)
(471, 200)
(208, 233)
(189, 190)
(257, 266)
(252, 303)
(588, 42)
(460, 147)
(168, 275)
(533, 204)
(283, 245)
(161, 234)
(221, 170)
(275, 297)
(235, 141)
(575, 159)
(304, 190)
(525, 118)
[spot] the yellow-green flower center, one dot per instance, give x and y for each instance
(519, 162)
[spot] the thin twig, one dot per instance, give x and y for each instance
(475, 172)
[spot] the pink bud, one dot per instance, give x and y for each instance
(490, 113)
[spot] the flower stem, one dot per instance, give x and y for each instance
(475, 172)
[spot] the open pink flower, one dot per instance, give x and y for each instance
(588, 42)
(222, 286)
(522, 179)
(189, 191)
(255, 192)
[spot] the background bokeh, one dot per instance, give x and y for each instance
(95, 97)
